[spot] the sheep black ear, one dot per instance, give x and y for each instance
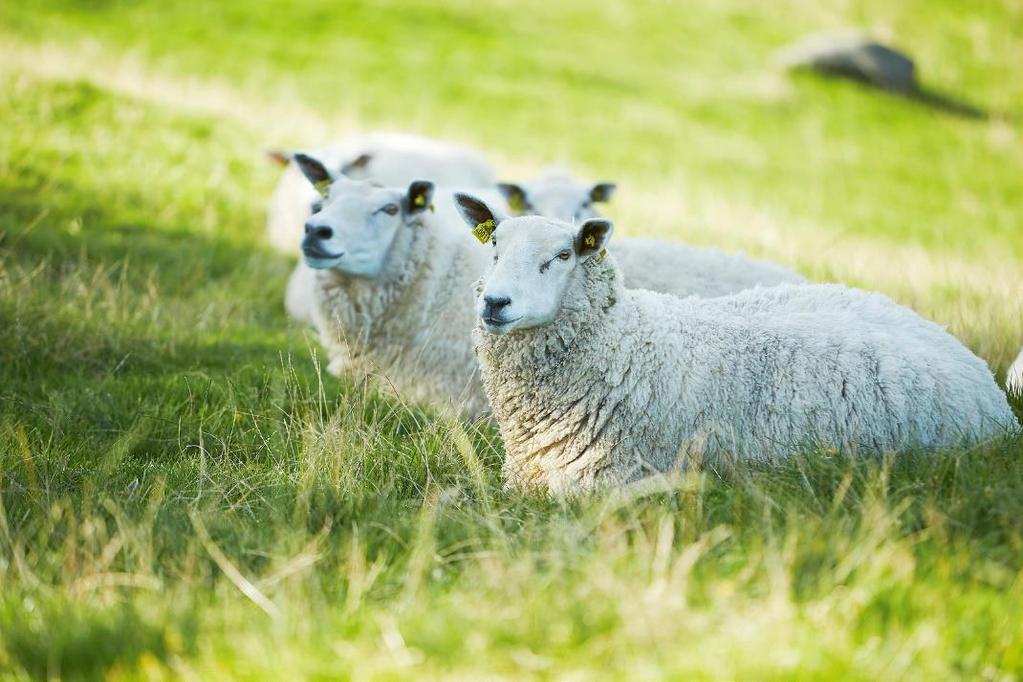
(359, 163)
(315, 172)
(602, 191)
(477, 215)
(593, 237)
(419, 197)
(515, 195)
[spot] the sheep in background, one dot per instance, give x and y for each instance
(655, 264)
(556, 194)
(386, 280)
(593, 384)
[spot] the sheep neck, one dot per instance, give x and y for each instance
(537, 380)
(372, 303)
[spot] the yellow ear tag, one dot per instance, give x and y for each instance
(483, 231)
(602, 255)
(590, 241)
(322, 186)
(420, 200)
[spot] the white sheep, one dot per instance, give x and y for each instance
(386, 280)
(655, 264)
(1014, 378)
(391, 159)
(593, 384)
(406, 317)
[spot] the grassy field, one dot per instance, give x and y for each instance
(184, 495)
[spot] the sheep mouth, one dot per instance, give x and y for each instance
(497, 323)
(319, 254)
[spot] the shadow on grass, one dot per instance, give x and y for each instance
(946, 104)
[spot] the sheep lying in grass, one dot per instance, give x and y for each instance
(405, 315)
(1014, 379)
(594, 385)
(391, 159)
(387, 280)
(654, 264)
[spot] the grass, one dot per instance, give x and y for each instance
(184, 495)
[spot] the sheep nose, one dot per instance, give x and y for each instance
(318, 231)
(494, 304)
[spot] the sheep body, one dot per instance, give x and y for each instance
(411, 326)
(655, 264)
(683, 270)
(625, 382)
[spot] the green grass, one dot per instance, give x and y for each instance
(182, 494)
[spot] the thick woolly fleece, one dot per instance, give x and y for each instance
(655, 264)
(625, 383)
(411, 325)
(683, 270)
(1014, 378)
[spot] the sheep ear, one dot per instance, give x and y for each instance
(359, 163)
(477, 215)
(419, 197)
(315, 172)
(281, 158)
(602, 191)
(515, 195)
(593, 236)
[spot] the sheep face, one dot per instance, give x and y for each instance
(356, 223)
(559, 197)
(535, 261)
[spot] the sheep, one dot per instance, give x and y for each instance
(595, 385)
(369, 322)
(655, 264)
(1014, 378)
(411, 356)
(391, 159)
(387, 275)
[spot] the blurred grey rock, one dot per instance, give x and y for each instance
(855, 57)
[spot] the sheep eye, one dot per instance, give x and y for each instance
(565, 255)
(390, 209)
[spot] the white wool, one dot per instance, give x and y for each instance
(624, 383)
(1014, 378)
(655, 264)
(411, 325)
(396, 160)
(682, 270)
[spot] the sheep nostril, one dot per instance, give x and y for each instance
(494, 304)
(318, 231)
